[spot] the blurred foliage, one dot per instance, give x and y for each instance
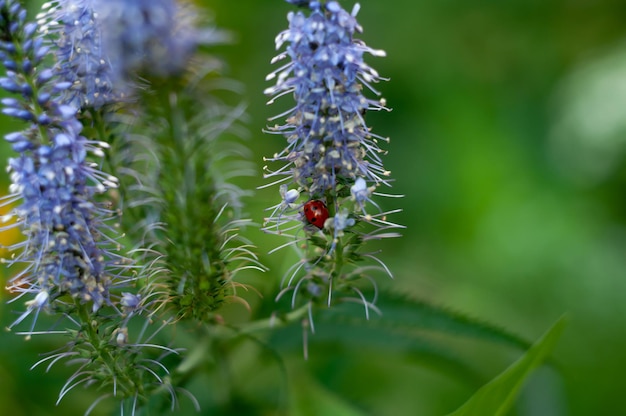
(508, 142)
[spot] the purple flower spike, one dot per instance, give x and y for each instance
(329, 142)
(68, 248)
(332, 159)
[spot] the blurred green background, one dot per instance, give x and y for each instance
(508, 138)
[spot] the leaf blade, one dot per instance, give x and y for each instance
(497, 396)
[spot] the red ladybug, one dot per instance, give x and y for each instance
(316, 213)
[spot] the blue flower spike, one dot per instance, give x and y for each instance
(332, 157)
(68, 249)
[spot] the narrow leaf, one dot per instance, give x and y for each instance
(413, 317)
(497, 397)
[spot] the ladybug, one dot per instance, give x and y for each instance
(316, 213)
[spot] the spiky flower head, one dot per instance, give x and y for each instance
(66, 249)
(332, 157)
(329, 142)
(177, 156)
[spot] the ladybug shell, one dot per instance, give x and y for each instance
(316, 213)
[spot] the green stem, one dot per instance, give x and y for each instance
(103, 353)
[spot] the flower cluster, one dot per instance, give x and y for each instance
(68, 247)
(332, 162)
(63, 202)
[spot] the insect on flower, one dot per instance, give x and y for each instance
(316, 213)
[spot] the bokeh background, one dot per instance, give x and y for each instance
(508, 140)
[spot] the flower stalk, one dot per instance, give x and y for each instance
(331, 167)
(70, 247)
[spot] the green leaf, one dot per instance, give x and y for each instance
(497, 396)
(309, 398)
(405, 326)
(412, 318)
(346, 335)
(405, 312)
